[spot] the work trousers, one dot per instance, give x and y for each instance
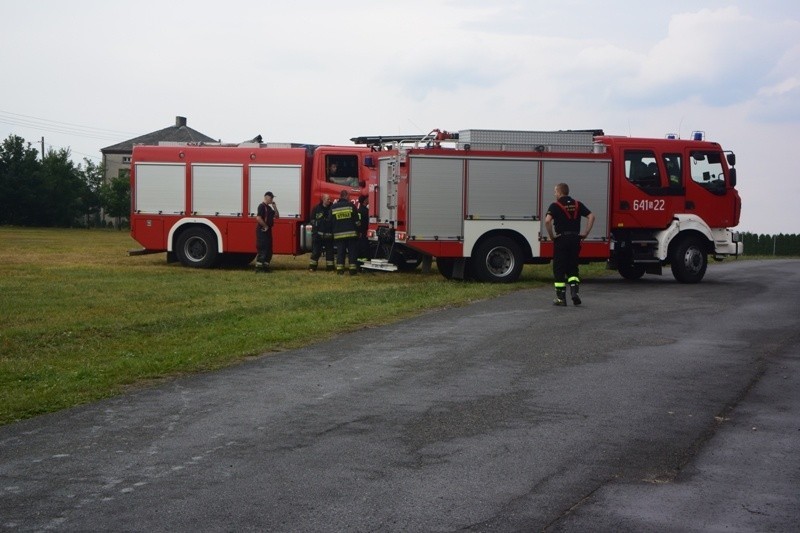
(346, 247)
(363, 247)
(320, 244)
(566, 249)
(263, 245)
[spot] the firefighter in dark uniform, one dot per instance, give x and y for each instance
(566, 213)
(267, 211)
(345, 232)
(363, 217)
(321, 234)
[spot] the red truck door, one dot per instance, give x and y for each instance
(337, 169)
(644, 195)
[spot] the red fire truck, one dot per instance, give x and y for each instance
(475, 200)
(198, 203)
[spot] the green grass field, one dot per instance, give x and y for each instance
(81, 320)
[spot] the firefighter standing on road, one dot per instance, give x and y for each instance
(267, 211)
(321, 234)
(345, 232)
(566, 213)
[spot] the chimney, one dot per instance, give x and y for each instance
(180, 122)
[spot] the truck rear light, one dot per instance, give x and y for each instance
(400, 236)
(370, 233)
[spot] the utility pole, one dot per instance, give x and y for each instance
(42, 148)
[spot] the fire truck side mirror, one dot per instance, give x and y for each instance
(733, 177)
(731, 158)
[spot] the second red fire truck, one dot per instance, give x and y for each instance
(198, 203)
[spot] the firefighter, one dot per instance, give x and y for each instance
(345, 222)
(267, 211)
(363, 217)
(321, 234)
(566, 214)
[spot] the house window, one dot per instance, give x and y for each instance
(126, 160)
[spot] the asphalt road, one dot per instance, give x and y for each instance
(655, 406)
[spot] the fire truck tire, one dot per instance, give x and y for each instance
(632, 272)
(197, 248)
(689, 260)
(497, 260)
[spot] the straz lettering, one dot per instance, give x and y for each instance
(648, 205)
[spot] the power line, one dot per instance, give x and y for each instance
(54, 126)
(71, 151)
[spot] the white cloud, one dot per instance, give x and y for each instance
(719, 56)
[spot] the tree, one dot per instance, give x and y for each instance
(64, 192)
(93, 176)
(116, 198)
(20, 182)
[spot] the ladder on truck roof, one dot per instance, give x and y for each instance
(412, 141)
(497, 140)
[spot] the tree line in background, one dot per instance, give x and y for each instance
(52, 191)
(785, 245)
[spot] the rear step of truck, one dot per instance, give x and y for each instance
(379, 264)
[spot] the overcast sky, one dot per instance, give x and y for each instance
(88, 74)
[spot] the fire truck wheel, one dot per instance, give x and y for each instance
(497, 260)
(197, 248)
(631, 272)
(689, 260)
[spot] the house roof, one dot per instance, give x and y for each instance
(180, 132)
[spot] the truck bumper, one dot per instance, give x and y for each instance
(727, 242)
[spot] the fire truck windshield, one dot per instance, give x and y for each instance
(707, 171)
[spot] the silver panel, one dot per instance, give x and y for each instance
(514, 140)
(283, 181)
(436, 198)
(588, 183)
(217, 190)
(160, 188)
(502, 189)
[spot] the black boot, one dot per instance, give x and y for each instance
(573, 291)
(561, 297)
